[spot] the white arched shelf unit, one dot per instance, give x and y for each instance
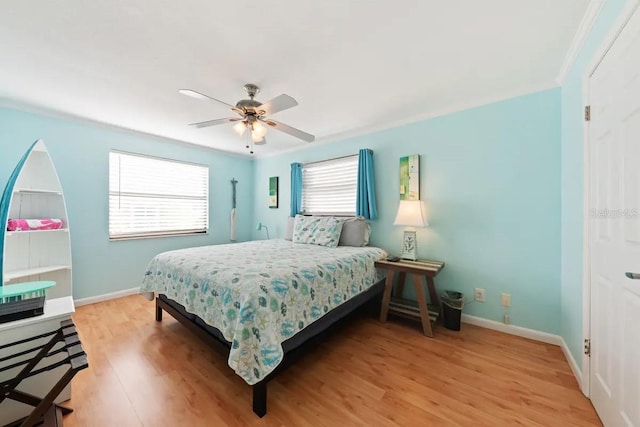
(33, 191)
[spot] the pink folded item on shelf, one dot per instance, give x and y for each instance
(34, 224)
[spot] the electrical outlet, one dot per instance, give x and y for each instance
(478, 295)
(505, 300)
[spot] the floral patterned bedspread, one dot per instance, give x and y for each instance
(260, 293)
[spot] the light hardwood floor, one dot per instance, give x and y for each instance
(367, 373)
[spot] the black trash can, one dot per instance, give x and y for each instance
(452, 305)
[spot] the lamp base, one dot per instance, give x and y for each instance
(409, 246)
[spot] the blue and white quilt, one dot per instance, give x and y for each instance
(261, 293)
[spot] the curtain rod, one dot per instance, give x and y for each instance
(334, 158)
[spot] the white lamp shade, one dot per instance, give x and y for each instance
(240, 127)
(259, 130)
(411, 213)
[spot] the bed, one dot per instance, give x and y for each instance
(262, 299)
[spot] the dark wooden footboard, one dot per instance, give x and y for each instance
(293, 347)
(221, 346)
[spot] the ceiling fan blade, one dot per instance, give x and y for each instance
(290, 130)
(279, 103)
(198, 95)
(215, 122)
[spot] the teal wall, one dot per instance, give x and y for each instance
(572, 187)
(503, 185)
(80, 154)
(490, 179)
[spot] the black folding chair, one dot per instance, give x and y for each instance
(45, 412)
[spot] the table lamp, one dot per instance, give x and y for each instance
(260, 226)
(410, 213)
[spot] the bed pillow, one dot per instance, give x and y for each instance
(288, 232)
(355, 232)
(317, 230)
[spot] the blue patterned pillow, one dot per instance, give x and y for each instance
(317, 230)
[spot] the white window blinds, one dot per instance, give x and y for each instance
(330, 187)
(156, 197)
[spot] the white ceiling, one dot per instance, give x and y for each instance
(352, 65)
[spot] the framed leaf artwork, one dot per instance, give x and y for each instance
(410, 177)
(273, 192)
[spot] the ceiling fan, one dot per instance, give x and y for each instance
(253, 115)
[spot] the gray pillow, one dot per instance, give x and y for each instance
(288, 233)
(355, 232)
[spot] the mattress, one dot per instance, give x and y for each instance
(259, 294)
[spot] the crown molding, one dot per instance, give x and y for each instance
(415, 119)
(586, 24)
(55, 114)
(341, 136)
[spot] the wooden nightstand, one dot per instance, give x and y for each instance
(420, 309)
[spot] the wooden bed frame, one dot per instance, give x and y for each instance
(293, 347)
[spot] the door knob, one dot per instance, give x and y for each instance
(635, 276)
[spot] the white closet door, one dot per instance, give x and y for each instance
(614, 148)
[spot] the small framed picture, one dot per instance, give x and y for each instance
(410, 177)
(273, 192)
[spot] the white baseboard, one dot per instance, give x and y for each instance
(572, 363)
(107, 297)
(533, 335)
(513, 330)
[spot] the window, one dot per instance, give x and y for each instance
(156, 197)
(330, 186)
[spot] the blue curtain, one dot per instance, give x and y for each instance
(366, 199)
(296, 188)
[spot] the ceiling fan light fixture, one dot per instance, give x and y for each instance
(253, 116)
(240, 127)
(259, 130)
